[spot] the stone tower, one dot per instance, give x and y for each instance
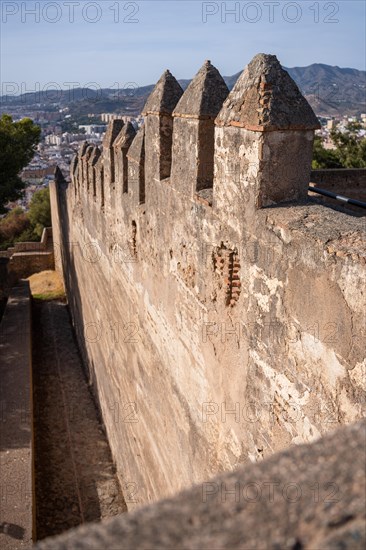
(193, 132)
(159, 126)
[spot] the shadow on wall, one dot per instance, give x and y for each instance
(67, 250)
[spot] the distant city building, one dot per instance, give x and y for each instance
(52, 139)
(93, 128)
(108, 117)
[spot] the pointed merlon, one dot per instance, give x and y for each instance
(205, 94)
(58, 175)
(100, 163)
(137, 150)
(83, 148)
(265, 98)
(114, 128)
(164, 97)
(74, 164)
(125, 137)
(94, 157)
(88, 152)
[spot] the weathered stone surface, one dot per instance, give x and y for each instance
(308, 497)
(256, 169)
(114, 128)
(27, 258)
(93, 159)
(265, 98)
(99, 181)
(74, 164)
(223, 333)
(74, 168)
(125, 137)
(121, 146)
(193, 131)
(159, 125)
(164, 96)
(84, 159)
(136, 150)
(263, 125)
(83, 148)
(205, 94)
(94, 156)
(136, 167)
(80, 174)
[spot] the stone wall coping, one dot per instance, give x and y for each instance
(340, 234)
(239, 509)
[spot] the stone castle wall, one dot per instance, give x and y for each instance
(26, 258)
(220, 312)
(346, 181)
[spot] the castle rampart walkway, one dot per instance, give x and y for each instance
(75, 476)
(16, 452)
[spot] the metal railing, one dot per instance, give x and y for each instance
(340, 198)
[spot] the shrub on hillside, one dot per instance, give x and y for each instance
(20, 226)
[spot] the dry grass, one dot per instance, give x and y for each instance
(47, 285)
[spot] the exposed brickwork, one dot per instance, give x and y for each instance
(226, 264)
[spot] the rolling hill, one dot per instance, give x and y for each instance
(331, 91)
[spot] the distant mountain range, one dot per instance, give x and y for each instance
(331, 91)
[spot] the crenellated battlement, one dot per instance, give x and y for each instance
(218, 308)
(255, 141)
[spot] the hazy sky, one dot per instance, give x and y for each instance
(109, 42)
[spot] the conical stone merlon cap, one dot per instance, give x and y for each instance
(94, 157)
(125, 136)
(82, 149)
(164, 96)
(205, 94)
(137, 150)
(265, 98)
(114, 128)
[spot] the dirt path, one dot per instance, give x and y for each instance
(75, 476)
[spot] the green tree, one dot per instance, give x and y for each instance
(12, 226)
(324, 158)
(350, 146)
(40, 212)
(349, 152)
(18, 142)
(20, 226)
